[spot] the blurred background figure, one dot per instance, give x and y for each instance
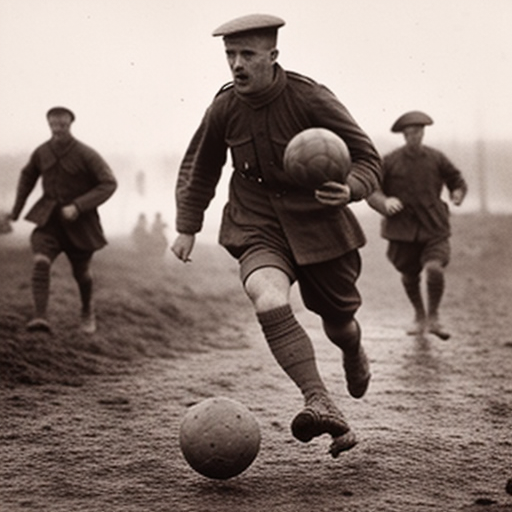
(140, 234)
(150, 241)
(140, 183)
(75, 181)
(158, 238)
(416, 219)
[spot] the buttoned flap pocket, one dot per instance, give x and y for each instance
(244, 157)
(279, 147)
(438, 213)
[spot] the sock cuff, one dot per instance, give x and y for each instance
(275, 315)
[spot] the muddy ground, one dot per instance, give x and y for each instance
(91, 424)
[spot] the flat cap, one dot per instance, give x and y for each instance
(414, 117)
(57, 111)
(249, 23)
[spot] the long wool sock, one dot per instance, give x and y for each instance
(85, 288)
(292, 349)
(435, 289)
(412, 289)
(41, 287)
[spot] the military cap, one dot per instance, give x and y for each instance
(56, 111)
(414, 117)
(249, 23)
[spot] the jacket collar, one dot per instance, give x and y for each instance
(263, 98)
(60, 150)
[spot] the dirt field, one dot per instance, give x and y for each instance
(91, 424)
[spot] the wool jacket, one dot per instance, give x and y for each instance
(74, 174)
(417, 178)
(263, 201)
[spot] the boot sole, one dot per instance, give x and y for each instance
(309, 424)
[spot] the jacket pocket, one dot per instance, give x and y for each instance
(243, 156)
(438, 215)
(279, 147)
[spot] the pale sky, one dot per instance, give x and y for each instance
(140, 73)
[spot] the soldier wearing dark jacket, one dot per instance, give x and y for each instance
(281, 234)
(75, 181)
(416, 219)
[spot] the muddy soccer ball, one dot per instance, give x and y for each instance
(316, 155)
(219, 437)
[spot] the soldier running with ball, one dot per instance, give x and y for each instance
(282, 234)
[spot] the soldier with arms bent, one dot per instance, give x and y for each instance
(281, 234)
(75, 181)
(416, 219)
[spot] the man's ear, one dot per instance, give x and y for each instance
(274, 54)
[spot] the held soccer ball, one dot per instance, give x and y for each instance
(219, 438)
(316, 155)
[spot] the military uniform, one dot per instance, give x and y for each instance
(75, 181)
(419, 230)
(262, 197)
(75, 174)
(269, 223)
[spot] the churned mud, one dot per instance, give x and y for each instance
(91, 424)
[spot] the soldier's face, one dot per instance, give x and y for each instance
(60, 126)
(413, 136)
(251, 59)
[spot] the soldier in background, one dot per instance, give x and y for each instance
(75, 181)
(416, 220)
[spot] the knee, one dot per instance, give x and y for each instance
(410, 279)
(41, 261)
(267, 289)
(82, 273)
(345, 335)
(434, 269)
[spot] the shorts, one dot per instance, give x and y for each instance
(51, 240)
(410, 257)
(327, 288)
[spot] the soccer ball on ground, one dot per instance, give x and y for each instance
(219, 437)
(316, 155)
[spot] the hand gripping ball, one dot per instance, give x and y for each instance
(219, 437)
(316, 155)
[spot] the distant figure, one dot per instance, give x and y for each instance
(75, 181)
(416, 220)
(140, 233)
(140, 183)
(158, 239)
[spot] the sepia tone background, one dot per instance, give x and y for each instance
(90, 423)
